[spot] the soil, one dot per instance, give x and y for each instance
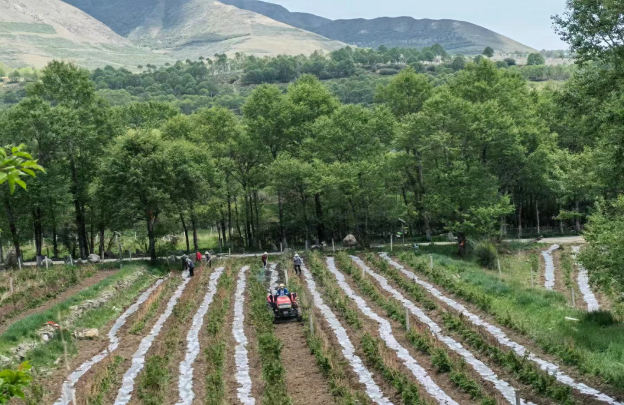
(519, 338)
(304, 382)
(84, 284)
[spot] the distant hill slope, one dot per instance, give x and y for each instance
(304, 21)
(191, 28)
(33, 32)
(407, 32)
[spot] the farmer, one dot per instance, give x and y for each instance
(281, 291)
(298, 263)
(191, 266)
(265, 259)
(198, 257)
(184, 263)
(208, 259)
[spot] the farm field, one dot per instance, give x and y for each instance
(375, 328)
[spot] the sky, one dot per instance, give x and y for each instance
(526, 21)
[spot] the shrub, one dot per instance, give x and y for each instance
(600, 318)
(388, 72)
(486, 254)
(440, 360)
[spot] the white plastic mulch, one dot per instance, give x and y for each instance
(549, 273)
(185, 384)
(348, 350)
(68, 386)
(503, 387)
(138, 358)
(502, 338)
(385, 331)
(583, 283)
(241, 354)
(274, 278)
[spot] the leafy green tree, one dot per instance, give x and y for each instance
(406, 93)
(459, 63)
(510, 61)
(535, 59)
(140, 172)
(488, 52)
(16, 164)
(593, 29)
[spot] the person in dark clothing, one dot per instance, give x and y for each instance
(208, 259)
(191, 267)
(298, 263)
(265, 259)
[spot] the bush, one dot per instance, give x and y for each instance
(440, 361)
(486, 254)
(388, 72)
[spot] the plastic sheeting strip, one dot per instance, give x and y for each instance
(385, 331)
(68, 385)
(274, 278)
(502, 338)
(583, 283)
(549, 273)
(185, 384)
(241, 355)
(138, 358)
(348, 350)
(503, 387)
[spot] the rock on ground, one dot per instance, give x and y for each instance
(349, 241)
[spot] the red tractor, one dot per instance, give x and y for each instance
(285, 307)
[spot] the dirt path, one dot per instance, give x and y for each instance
(304, 381)
(84, 284)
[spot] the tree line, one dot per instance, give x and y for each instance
(470, 156)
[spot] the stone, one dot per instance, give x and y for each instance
(22, 349)
(349, 241)
(86, 333)
(48, 261)
(11, 259)
(450, 237)
(93, 258)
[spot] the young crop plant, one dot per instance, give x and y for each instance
(269, 346)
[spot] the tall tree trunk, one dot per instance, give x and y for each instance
(151, 236)
(520, 221)
(320, 223)
(38, 230)
(578, 219)
(258, 233)
(229, 229)
(80, 228)
(55, 251)
(247, 219)
(537, 217)
(237, 217)
(280, 207)
(12, 227)
(102, 251)
(92, 238)
(194, 226)
(305, 219)
(188, 246)
(224, 238)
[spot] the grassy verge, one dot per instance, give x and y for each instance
(26, 328)
(149, 307)
(329, 358)
(593, 346)
(443, 361)
(103, 381)
(269, 346)
(217, 340)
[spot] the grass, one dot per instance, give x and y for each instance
(217, 339)
(103, 381)
(149, 308)
(594, 348)
(47, 354)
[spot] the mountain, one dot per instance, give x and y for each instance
(33, 32)
(191, 28)
(305, 21)
(407, 32)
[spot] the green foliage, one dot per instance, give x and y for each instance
(440, 360)
(16, 164)
(510, 61)
(486, 254)
(13, 382)
(488, 52)
(535, 59)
